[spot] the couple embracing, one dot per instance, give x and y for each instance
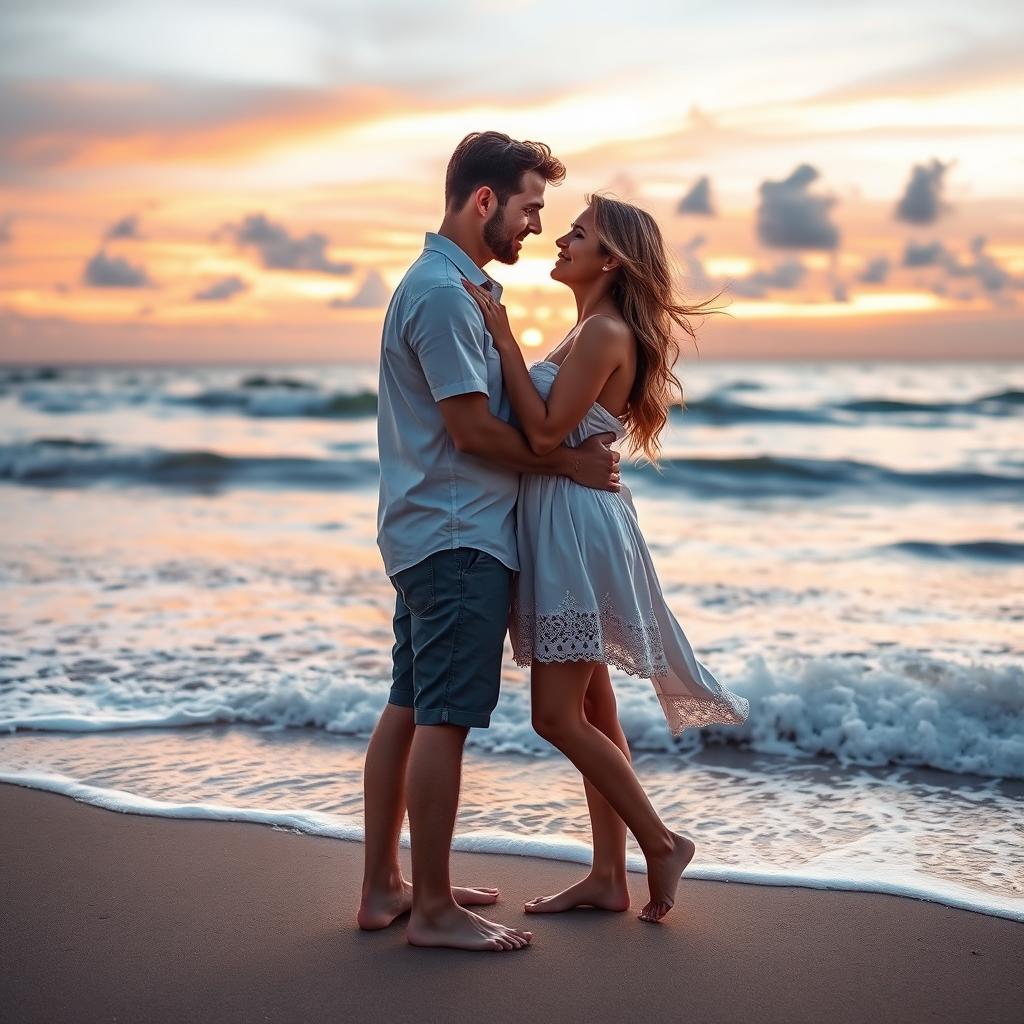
(501, 509)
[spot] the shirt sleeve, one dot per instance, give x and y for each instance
(446, 332)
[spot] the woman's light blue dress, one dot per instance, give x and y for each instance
(587, 589)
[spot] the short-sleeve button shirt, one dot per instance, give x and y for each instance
(434, 346)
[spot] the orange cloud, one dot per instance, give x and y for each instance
(98, 124)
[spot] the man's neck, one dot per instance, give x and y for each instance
(468, 241)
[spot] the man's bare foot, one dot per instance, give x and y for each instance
(592, 891)
(663, 874)
(456, 928)
(379, 909)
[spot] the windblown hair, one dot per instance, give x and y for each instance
(498, 161)
(644, 293)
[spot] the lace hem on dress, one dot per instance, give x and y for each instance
(571, 633)
(686, 712)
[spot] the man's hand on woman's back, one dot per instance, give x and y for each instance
(595, 464)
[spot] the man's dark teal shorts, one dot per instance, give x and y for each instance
(451, 616)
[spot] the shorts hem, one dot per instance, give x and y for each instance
(452, 716)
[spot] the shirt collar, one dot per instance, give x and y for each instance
(470, 271)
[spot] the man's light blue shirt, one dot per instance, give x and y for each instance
(434, 346)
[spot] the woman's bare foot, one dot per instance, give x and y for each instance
(456, 928)
(601, 891)
(379, 909)
(663, 874)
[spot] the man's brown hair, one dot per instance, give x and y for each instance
(495, 160)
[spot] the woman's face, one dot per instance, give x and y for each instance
(580, 255)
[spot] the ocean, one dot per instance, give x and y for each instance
(196, 622)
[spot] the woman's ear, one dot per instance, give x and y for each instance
(611, 262)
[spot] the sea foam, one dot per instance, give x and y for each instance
(829, 873)
(899, 708)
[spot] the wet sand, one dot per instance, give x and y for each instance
(125, 917)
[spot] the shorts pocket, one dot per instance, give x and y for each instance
(477, 562)
(416, 585)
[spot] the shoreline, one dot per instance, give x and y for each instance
(315, 824)
(139, 918)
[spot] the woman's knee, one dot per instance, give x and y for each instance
(557, 691)
(555, 724)
(545, 722)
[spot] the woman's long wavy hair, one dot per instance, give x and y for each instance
(645, 295)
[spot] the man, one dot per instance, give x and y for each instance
(449, 477)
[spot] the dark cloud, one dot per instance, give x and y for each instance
(994, 279)
(952, 266)
(698, 199)
(785, 275)
(925, 255)
(104, 271)
(221, 290)
(693, 265)
(373, 293)
(921, 202)
(280, 250)
(991, 276)
(6, 223)
(876, 271)
(126, 227)
(789, 217)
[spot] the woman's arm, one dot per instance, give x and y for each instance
(596, 353)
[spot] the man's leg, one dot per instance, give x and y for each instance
(458, 629)
(435, 770)
(385, 893)
(387, 754)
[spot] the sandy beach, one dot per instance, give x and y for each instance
(123, 917)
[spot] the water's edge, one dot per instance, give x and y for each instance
(904, 883)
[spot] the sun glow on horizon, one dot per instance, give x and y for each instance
(866, 304)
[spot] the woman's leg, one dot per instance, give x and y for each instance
(609, 830)
(605, 886)
(558, 692)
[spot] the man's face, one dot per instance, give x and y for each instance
(508, 225)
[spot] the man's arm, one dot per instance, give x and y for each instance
(445, 332)
(474, 430)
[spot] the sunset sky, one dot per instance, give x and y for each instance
(227, 181)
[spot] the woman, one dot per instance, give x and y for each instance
(587, 596)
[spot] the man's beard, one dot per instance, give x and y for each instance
(499, 240)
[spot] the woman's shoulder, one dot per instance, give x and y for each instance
(605, 332)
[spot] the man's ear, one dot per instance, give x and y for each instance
(484, 200)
